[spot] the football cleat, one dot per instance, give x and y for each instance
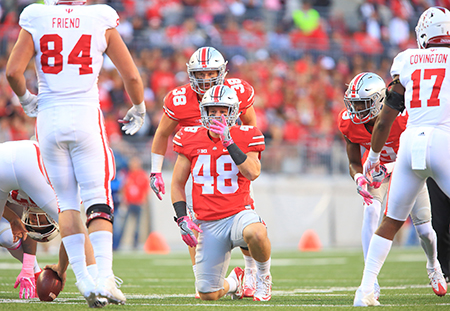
(437, 281)
(237, 274)
(263, 290)
(376, 290)
(87, 289)
(109, 288)
(362, 300)
(249, 282)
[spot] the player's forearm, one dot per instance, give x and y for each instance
(251, 167)
(177, 192)
(355, 169)
(135, 89)
(160, 142)
(380, 135)
(17, 83)
(63, 261)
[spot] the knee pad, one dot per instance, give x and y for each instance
(204, 287)
(102, 211)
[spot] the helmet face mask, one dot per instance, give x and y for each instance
(433, 27)
(206, 59)
(364, 97)
(219, 96)
(40, 226)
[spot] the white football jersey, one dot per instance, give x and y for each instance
(69, 41)
(425, 74)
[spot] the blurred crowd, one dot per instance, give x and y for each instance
(297, 54)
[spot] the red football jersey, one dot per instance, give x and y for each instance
(182, 104)
(358, 134)
(219, 190)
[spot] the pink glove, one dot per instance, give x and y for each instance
(222, 129)
(26, 278)
(379, 177)
(186, 225)
(361, 182)
(157, 184)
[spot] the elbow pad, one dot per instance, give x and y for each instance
(394, 100)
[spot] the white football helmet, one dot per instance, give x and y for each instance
(206, 59)
(433, 27)
(366, 88)
(223, 96)
(40, 226)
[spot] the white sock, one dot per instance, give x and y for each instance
(263, 267)
(74, 245)
(232, 283)
(194, 268)
(249, 262)
(428, 240)
(36, 266)
(370, 224)
(378, 250)
(93, 271)
(102, 244)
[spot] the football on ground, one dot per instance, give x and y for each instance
(48, 285)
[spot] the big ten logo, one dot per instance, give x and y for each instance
(202, 151)
(236, 85)
(192, 129)
(179, 97)
(245, 128)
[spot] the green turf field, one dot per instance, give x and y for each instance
(324, 280)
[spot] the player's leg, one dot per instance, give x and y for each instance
(440, 211)
(400, 201)
(421, 217)
(250, 266)
(212, 258)
(249, 227)
(55, 134)
(94, 169)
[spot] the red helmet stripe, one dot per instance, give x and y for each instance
(355, 84)
(217, 92)
(203, 54)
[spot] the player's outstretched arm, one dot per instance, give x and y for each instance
(17, 227)
(121, 57)
(61, 267)
(19, 58)
(159, 147)
(180, 175)
(18, 61)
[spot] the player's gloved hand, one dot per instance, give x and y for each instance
(157, 184)
(134, 119)
(186, 225)
(222, 129)
(379, 177)
(29, 104)
(361, 183)
(372, 163)
(26, 278)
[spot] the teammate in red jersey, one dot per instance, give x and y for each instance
(223, 159)
(363, 100)
(206, 68)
